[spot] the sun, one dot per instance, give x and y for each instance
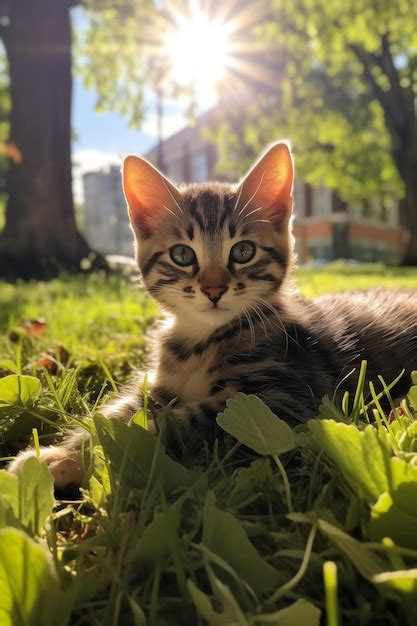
(197, 48)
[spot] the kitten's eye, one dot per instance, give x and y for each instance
(243, 251)
(182, 255)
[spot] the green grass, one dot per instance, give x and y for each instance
(207, 540)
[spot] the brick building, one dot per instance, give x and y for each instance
(325, 227)
(106, 222)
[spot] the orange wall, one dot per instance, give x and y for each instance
(305, 232)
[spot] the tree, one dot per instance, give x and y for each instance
(40, 237)
(345, 94)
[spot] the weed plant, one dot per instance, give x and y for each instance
(272, 525)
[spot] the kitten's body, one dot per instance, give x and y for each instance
(289, 356)
(218, 258)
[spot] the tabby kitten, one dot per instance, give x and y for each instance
(218, 259)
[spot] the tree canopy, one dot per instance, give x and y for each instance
(40, 237)
(344, 93)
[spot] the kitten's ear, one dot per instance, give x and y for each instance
(269, 185)
(148, 193)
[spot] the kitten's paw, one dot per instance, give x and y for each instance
(65, 465)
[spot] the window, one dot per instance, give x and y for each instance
(322, 202)
(299, 199)
(200, 167)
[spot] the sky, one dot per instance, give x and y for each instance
(104, 138)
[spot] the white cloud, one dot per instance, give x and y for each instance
(89, 160)
(170, 124)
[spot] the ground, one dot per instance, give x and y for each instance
(235, 536)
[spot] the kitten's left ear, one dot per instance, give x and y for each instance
(149, 194)
(269, 185)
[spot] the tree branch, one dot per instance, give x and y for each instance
(387, 100)
(386, 64)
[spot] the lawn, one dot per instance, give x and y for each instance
(301, 527)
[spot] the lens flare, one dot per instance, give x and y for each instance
(197, 51)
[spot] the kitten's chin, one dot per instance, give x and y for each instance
(203, 321)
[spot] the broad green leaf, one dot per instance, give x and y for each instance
(139, 618)
(99, 485)
(36, 495)
(362, 457)
(369, 564)
(412, 397)
(408, 438)
(223, 535)
(231, 615)
(366, 561)
(257, 478)
(9, 499)
(391, 517)
(300, 613)
(27, 499)
(30, 593)
(328, 410)
(158, 538)
(18, 392)
(134, 453)
(252, 423)
(141, 419)
(8, 364)
(402, 580)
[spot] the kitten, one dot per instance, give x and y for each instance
(218, 259)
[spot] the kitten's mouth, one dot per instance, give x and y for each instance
(214, 307)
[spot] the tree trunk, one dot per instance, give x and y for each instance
(40, 237)
(406, 163)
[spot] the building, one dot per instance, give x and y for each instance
(106, 222)
(325, 227)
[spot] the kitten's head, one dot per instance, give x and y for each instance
(210, 253)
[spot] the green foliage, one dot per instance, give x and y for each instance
(119, 54)
(135, 456)
(223, 535)
(249, 420)
(30, 590)
(209, 540)
(27, 499)
(18, 393)
(343, 84)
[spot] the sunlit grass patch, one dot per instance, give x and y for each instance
(238, 535)
(339, 276)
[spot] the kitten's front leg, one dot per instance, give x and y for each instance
(198, 419)
(66, 461)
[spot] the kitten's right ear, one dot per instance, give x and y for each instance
(268, 185)
(149, 194)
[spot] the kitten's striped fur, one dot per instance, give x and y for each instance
(241, 326)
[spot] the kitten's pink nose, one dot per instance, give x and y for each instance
(214, 293)
(214, 282)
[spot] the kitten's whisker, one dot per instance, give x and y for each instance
(238, 197)
(251, 329)
(170, 210)
(254, 211)
(279, 320)
(174, 199)
(256, 221)
(288, 337)
(252, 196)
(275, 315)
(258, 312)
